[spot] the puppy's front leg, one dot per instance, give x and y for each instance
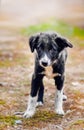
(59, 95)
(59, 102)
(33, 97)
(31, 107)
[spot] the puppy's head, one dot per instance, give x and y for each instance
(48, 46)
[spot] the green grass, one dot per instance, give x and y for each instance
(7, 121)
(42, 116)
(54, 25)
(77, 125)
(2, 102)
(19, 59)
(75, 34)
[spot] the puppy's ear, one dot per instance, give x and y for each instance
(62, 43)
(33, 40)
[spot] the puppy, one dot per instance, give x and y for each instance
(51, 55)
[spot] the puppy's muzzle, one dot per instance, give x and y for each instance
(45, 61)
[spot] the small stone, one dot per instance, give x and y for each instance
(68, 111)
(3, 84)
(12, 85)
(75, 83)
(18, 122)
(18, 113)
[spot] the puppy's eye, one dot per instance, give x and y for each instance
(40, 47)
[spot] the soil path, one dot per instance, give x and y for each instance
(16, 68)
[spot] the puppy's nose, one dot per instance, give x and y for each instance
(44, 63)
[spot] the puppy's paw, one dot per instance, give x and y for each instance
(59, 111)
(38, 104)
(29, 114)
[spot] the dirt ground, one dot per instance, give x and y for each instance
(16, 68)
(17, 63)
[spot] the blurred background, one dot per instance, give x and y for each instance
(25, 12)
(19, 19)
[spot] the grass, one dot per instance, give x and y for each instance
(2, 102)
(39, 117)
(58, 26)
(7, 121)
(77, 125)
(75, 34)
(42, 116)
(19, 59)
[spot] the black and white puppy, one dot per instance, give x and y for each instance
(51, 55)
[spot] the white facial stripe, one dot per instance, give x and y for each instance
(45, 59)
